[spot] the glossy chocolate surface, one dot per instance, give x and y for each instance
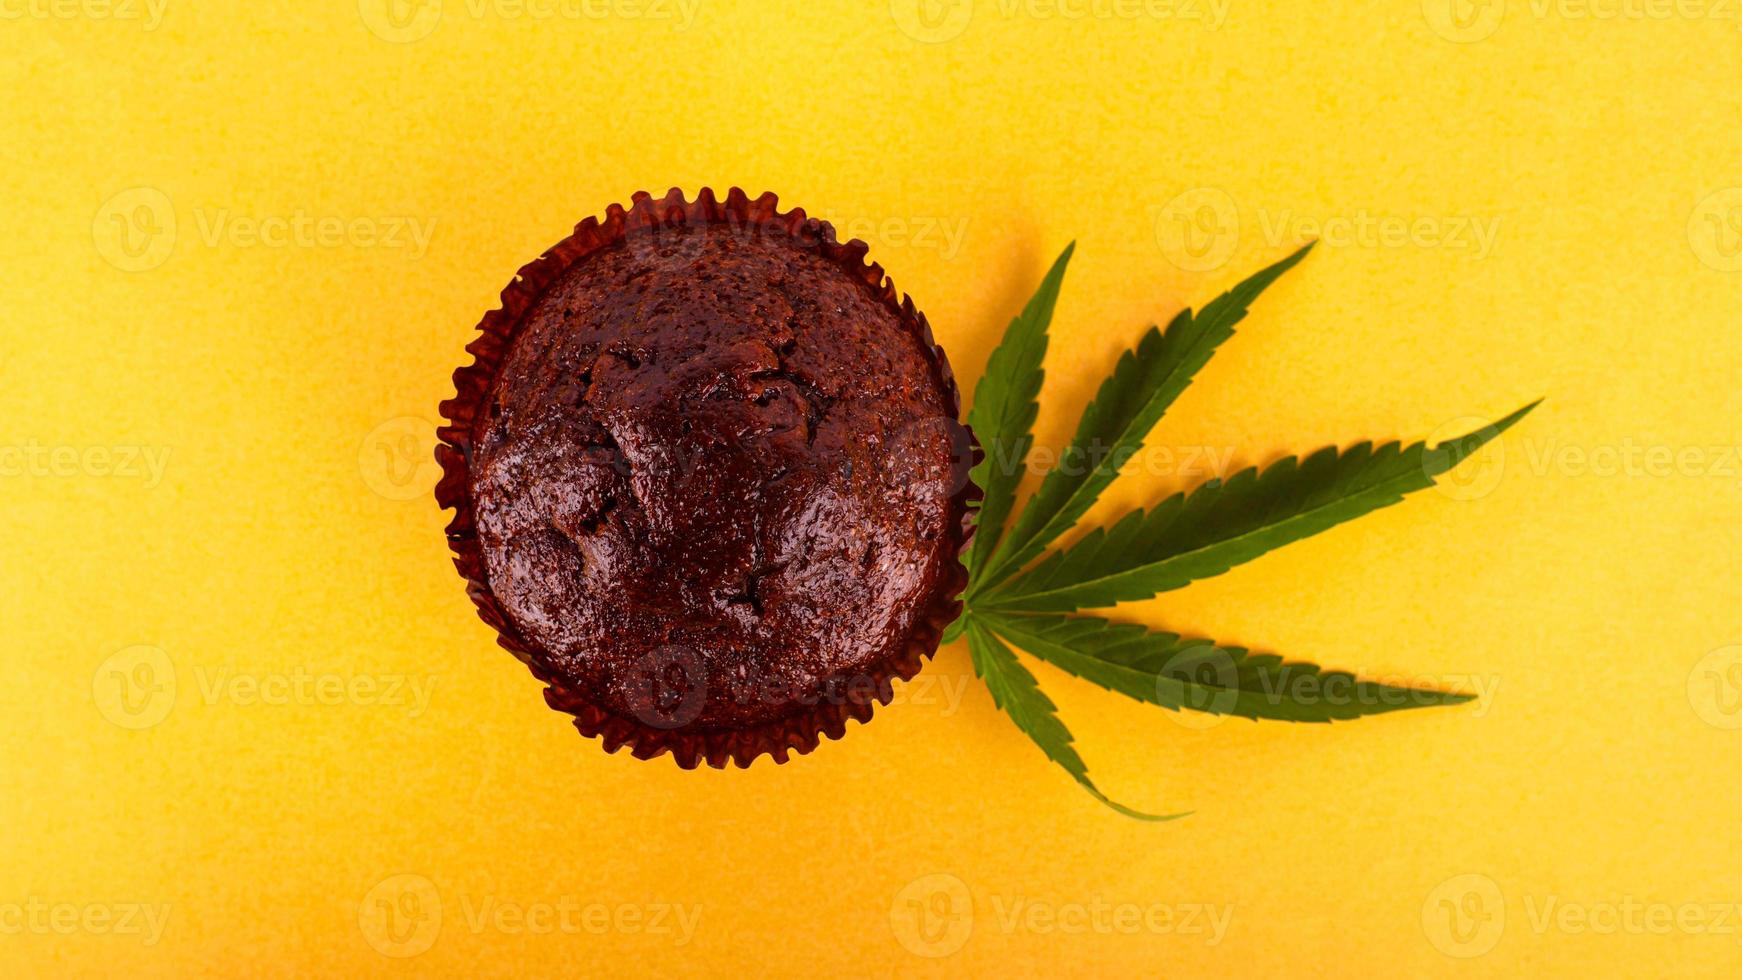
(713, 458)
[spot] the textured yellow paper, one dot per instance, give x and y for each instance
(253, 726)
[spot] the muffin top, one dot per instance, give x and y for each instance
(717, 479)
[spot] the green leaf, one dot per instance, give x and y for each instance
(1004, 409)
(1164, 669)
(1221, 525)
(1144, 383)
(957, 627)
(1015, 692)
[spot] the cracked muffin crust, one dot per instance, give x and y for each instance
(708, 478)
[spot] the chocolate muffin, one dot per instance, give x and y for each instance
(709, 480)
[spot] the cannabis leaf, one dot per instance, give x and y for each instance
(1004, 409)
(1012, 600)
(1145, 382)
(1002, 418)
(1221, 525)
(1168, 670)
(1015, 691)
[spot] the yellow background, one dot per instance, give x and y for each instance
(1590, 593)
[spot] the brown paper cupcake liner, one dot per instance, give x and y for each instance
(802, 731)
